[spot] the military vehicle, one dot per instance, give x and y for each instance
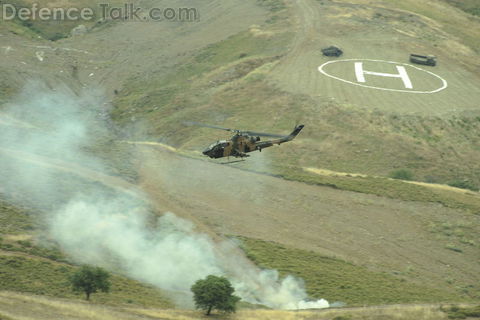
(243, 141)
(332, 51)
(424, 60)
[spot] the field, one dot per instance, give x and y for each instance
(375, 205)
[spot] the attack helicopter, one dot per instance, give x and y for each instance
(243, 141)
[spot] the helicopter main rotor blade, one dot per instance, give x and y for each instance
(262, 134)
(198, 124)
(251, 133)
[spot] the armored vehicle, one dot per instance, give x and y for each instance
(332, 51)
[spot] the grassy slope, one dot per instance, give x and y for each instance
(14, 220)
(29, 264)
(54, 29)
(226, 84)
(12, 307)
(463, 30)
(337, 280)
(43, 277)
(389, 188)
(26, 266)
(470, 6)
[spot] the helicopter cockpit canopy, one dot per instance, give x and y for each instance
(215, 150)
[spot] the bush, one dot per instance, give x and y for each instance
(456, 312)
(25, 243)
(57, 36)
(401, 174)
(463, 184)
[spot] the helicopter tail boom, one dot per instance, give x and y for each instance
(290, 137)
(295, 132)
(265, 144)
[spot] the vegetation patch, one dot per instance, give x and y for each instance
(456, 312)
(27, 247)
(469, 6)
(402, 174)
(273, 5)
(463, 184)
(169, 98)
(14, 219)
(387, 188)
(457, 234)
(53, 29)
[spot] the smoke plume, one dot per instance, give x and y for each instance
(44, 135)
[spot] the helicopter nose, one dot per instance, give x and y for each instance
(207, 152)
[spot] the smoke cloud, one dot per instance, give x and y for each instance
(117, 230)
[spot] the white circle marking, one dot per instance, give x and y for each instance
(444, 82)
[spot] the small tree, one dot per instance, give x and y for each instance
(214, 293)
(89, 280)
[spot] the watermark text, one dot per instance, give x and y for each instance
(104, 11)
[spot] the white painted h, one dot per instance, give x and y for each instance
(402, 74)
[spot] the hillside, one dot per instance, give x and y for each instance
(376, 202)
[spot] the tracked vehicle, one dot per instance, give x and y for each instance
(332, 51)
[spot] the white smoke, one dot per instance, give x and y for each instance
(116, 230)
(170, 255)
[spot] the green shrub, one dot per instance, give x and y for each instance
(463, 184)
(57, 36)
(401, 174)
(455, 312)
(25, 243)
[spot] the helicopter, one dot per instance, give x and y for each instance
(243, 141)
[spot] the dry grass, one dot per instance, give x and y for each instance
(18, 237)
(21, 306)
(13, 307)
(331, 173)
(337, 280)
(443, 187)
(326, 172)
(457, 24)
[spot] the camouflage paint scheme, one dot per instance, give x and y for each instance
(242, 143)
